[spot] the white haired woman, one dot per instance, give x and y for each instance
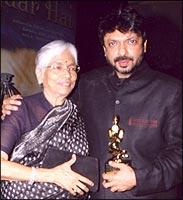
(46, 119)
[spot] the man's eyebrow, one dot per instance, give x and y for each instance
(132, 37)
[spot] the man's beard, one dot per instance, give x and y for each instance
(126, 70)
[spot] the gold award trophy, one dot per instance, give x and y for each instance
(115, 137)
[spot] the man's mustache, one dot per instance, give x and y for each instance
(122, 58)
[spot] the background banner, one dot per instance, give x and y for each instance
(25, 27)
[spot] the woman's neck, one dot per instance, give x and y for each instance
(54, 100)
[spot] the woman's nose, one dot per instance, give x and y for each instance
(66, 72)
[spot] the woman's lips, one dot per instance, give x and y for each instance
(64, 84)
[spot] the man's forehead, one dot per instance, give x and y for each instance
(119, 34)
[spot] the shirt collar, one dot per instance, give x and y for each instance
(137, 74)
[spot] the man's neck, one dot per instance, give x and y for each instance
(122, 76)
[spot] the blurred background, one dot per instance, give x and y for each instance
(28, 25)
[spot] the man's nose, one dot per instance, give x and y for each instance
(122, 49)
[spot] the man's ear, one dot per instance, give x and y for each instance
(104, 50)
(145, 46)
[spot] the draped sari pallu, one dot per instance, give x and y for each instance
(61, 128)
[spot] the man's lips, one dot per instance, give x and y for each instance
(123, 62)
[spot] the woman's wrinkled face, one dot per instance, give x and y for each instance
(60, 76)
(124, 51)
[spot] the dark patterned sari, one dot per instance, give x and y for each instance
(62, 128)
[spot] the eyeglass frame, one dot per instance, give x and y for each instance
(56, 66)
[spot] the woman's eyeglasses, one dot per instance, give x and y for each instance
(59, 67)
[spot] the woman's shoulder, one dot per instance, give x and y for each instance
(36, 100)
(33, 98)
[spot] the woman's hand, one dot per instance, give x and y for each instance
(61, 175)
(65, 177)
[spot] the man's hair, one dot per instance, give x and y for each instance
(124, 20)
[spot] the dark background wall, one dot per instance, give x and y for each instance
(27, 25)
(164, 33)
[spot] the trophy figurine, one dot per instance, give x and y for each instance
(115, 137)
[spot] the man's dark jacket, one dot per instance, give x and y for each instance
(149, 106)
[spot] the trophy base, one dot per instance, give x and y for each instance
(127, 161)
(109, 168)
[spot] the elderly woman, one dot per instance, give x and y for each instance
(46, 119)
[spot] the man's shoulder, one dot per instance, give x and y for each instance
(167, 79)
(166, 84)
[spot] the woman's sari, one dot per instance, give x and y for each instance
(62, 128)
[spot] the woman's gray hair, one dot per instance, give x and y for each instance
(52, 49)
